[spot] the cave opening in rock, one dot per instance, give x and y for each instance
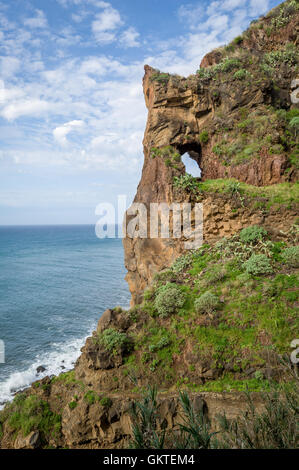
(191, 158)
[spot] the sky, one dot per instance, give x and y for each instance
(72, 113)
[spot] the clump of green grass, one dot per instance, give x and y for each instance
(204, 137)
(162, 343)
(285, 194)
(73, 405)
(90, 397)
(160, 77)
(30, 413)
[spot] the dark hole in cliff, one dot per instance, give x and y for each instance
(191, 157)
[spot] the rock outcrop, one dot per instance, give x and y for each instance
(229, 119)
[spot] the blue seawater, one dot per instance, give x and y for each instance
(55, 282)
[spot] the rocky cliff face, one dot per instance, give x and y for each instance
(231, 118)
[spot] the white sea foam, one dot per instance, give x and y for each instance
(61, 358)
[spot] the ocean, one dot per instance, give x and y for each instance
(55, 283)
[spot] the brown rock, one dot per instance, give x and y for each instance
(32, 441)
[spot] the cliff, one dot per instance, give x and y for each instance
(233, 117)
(216, 320)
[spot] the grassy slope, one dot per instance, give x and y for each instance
(255, 320)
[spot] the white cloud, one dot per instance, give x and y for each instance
(9, 66)
(61, 132)
(105, 24)
(8, 94)
(34, 107)
(129, 38)
(258, 7)
(38, 21)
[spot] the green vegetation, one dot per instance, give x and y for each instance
(30, 413)
(194, 431)
(274, 427)
(73, 405)
(226, 65)
(241, 74)
(290, 256)
(186, 183)
(232, 302)
(168, 153)
(289, 56)
(159, 77)
(206, 303)
(252, 234)
(283, 14)
(114, 341)
(91, 397)
(106, 402)
(238, 40)
(204, 137)
(258, 264)
(180, 264)
(277, 195)
(169, 299)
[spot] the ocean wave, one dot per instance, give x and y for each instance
(60, 359)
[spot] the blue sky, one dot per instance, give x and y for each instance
(72, 113)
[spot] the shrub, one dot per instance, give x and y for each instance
(291, 256)
(258, 264)
(252, 234)
(206, 303)
(162, 343)
(238, 40)
(160, 77)
(294, 123)
(215, 274)
(288, 56)
(241, 74)
(72, 405)
(114, 341)
(228, 64)
(169, 299)
(186, 182)
(273, 427)
(205, 73)
(182, 263)
(204, 137)
(165, 275)
(194, 429)
(106, 402)
(90, 397)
